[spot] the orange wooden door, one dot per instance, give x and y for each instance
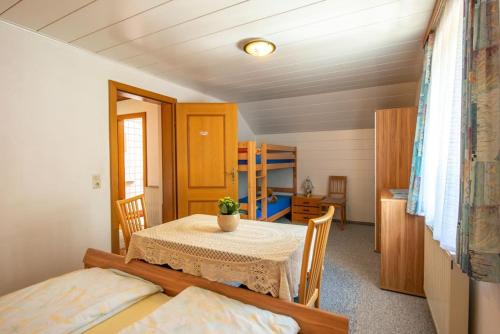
(207, 156)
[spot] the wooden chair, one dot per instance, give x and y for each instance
(337, 196)
(133, 217)
(310, 279)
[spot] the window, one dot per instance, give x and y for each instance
(440, 189)
(134, 157)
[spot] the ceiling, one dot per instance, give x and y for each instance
(341, 110)
(323, 45)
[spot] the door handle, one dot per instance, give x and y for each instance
(233, 174)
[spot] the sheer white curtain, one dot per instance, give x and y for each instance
(441, 157)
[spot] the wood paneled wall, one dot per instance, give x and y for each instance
(395, 134)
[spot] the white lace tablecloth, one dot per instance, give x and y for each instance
(266, 257)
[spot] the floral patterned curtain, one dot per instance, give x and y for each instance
(414, 199)
(478, 235)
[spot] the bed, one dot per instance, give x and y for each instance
(276, 209)
(165, 301)
(256, 162)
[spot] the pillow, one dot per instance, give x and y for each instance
(71, 303)
(197, 310)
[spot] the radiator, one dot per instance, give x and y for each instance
(153, 198)
(446, 289)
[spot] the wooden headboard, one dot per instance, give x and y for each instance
(173, 282)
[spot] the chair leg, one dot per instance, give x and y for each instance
(342, 217)
(318, 300)
(344, 213)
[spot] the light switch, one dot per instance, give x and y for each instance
(96, 181)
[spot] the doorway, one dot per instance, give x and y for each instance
(142, 153)
(132, 151)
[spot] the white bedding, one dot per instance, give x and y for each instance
(196, 310)
(71, 303)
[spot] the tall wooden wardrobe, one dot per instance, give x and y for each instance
(395, 134)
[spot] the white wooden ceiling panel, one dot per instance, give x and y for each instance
(294, 89)
(287, 20)
(357, 55)
(252, 109)
(225, 62)
(218, 21)
(320, 68)
(404, 66)
(326, 125)
(36, 14)
(328, 108)
(331, 111)
(153, 21)
(330, 56)
(6, 4)
(370, 17)
(96, 16)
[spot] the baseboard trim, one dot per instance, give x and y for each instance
(355, 222)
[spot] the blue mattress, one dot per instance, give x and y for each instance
(284, 201)
(269, 161)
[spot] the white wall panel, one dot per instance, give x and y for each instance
(53, 137)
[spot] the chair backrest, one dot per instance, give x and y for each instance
(311, 273)
(337, 185)
(133, 217)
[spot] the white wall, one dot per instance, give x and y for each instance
(53, 137)
(323, 153)
(245, 133)
(484, 313)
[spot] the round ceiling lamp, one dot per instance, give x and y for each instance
(259, 48)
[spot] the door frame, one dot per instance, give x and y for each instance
(121, 151)
(167, 104)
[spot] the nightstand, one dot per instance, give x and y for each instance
(305, 208)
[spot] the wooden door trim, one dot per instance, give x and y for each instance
(170, 179)
(122, 152)
(114, 88)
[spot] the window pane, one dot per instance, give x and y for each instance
(134, 158)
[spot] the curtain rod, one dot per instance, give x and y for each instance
(434, 20)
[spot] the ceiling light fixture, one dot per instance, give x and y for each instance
(259, 48)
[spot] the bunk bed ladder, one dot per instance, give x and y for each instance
(263, 182)
(252, 180)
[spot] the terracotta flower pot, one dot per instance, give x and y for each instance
(228, 223)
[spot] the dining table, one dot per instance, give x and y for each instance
(265, 257)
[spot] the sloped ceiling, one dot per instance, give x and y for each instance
(341, 110)
(322, 45)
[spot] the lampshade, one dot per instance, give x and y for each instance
(259, 48)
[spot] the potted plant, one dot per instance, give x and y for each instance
(229, 214)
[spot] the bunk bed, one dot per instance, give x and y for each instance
(256, 162)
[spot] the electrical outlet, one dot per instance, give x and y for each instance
(96, 181)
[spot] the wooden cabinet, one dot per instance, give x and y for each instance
(395, 134)
(402, 247)
(305, 208)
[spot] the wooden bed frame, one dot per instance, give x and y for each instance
(248, 151)
(173, 282)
